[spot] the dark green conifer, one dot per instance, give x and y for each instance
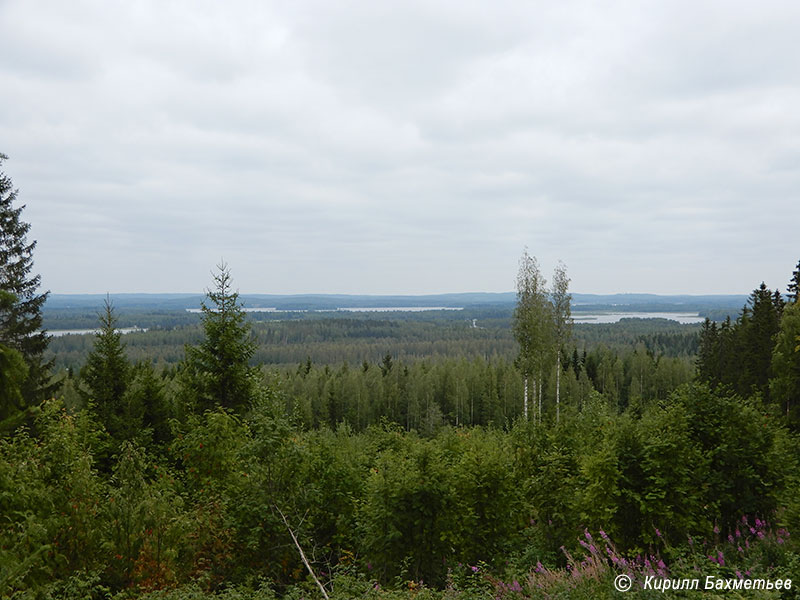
(794, 285)
(758, 326)
(21, 320)
(217, 372)
(106, 375)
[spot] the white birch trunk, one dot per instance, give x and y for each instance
(525, 399)
(558, 387)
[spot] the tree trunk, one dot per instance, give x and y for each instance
(558, 387)
(525, 399)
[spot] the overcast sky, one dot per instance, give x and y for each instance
(408, 147)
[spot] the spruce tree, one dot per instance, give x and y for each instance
(708, 354)
(217, 372)
(106, 375)
(21, 321)
(757, 328)
(794, 285)
(13, 373)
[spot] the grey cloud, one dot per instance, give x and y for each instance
(403, 147)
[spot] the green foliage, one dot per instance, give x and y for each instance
(793, 288)
(217, 372)
(20, 305)
(785, 384)
(739, 355)
(49, 499)
(399, 478)
(106, 376)
(13, 372)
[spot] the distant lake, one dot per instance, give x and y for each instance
(614, 317)
(62, 332)
(347, 309)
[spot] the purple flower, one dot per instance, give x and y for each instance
(658, 533)
(474, 568)
(587, 534)
(739, 548)
(738, 533)
(716, 529)
(739, 574)
(604, 535)
(720, 558)
(730, 538)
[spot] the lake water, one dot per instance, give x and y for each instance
(60, 332)
(614, 317)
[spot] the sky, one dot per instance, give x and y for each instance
(405, 147)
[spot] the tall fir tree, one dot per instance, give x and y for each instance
(106, 375)
(759, 324)
(217, 372)
(13, 373)
(21, 321)
(794, 285)
(708, 354)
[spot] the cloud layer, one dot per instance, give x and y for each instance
(408, 147)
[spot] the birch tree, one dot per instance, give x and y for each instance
(562, 323)
(531, 327)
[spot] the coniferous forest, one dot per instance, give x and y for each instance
(392, 458)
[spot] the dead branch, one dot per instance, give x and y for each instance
(302, 554)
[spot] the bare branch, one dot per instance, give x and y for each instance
(302, 554)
